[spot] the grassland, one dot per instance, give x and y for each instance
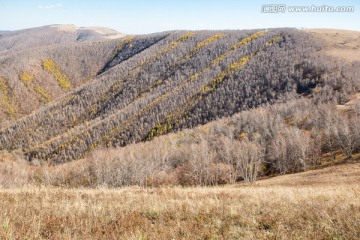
(319, 204)
(342, 44)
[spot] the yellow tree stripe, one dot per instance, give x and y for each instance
(44, 96)
(202, 44)
(27, 78)
(55, 70)
(5, 98)
(238, 45)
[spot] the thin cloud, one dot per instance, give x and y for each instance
(50, 6)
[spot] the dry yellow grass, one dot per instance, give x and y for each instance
(355, 99)
(343, 44)
(277, 208)
(342, 174)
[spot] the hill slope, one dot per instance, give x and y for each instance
(157, 83)
(343, 44)
(73, 56)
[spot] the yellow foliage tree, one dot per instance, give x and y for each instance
(26, 77)
(63, 80)
(44, 96)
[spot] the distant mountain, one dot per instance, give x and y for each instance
(11, 41)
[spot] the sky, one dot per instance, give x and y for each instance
(141, 16)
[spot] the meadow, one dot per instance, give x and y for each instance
(318, 204)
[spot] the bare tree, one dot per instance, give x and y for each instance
(228, 156)
(201, 158)
(347, 134)
(329, 130)
(289, 150)
(249, 157)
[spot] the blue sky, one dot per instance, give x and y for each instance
(140, 16)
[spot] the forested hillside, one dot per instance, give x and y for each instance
(40, 65)
(145, 86)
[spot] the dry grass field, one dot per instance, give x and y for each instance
(342, 44)
(319, 204)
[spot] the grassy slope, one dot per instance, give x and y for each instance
(342, 44)
(324, 206)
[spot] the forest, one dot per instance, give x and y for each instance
(233, 105)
